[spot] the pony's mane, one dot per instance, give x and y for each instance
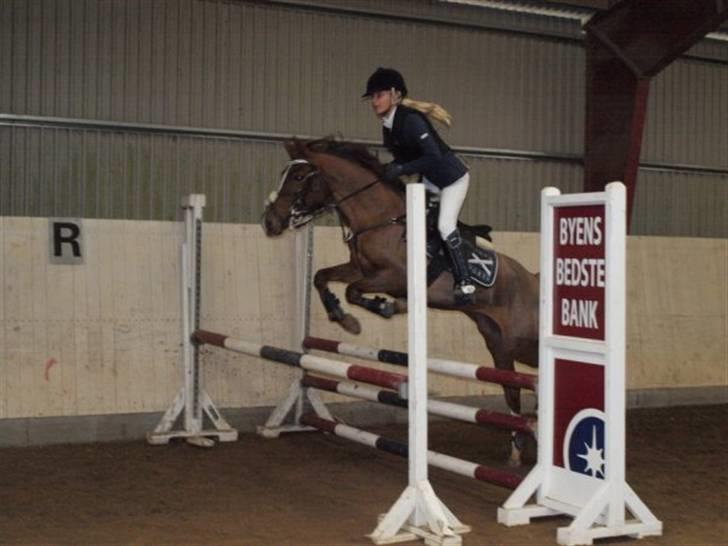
(354, 152)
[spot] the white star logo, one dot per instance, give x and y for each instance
(593, 456)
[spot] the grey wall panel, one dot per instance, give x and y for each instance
(506, 193)
(266, 68)
(681, 204)
(687, 118)
(100, 174)
(282, 68)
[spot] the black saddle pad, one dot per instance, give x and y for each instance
(482, 263)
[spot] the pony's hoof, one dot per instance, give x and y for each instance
(387, 309)
(350, 324)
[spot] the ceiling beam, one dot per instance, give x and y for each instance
(625, 47)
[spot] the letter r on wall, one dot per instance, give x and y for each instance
(66, 243)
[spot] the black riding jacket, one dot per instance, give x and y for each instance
(416, 146)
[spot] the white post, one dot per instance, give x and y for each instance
(303, 273)
(417, 337)
(418, 512)
(192, 401)
(616, 347)
(286, 415)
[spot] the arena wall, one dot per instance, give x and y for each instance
(102, 338)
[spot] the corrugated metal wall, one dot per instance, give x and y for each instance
(687, 117)
(104, 174)
(294, 70)
(261, 68)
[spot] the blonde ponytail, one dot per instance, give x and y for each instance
(430, 109)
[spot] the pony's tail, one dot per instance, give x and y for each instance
(431, 110)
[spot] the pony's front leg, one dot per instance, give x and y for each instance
(345, 273)
(385, 281)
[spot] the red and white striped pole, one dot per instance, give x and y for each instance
(440, 408)
(452, 368)
(394, 381)
(494, 476)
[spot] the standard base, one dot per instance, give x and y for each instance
(566, 536)
(438, 526)
(275, 432)
(201, 438)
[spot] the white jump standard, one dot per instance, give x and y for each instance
(192, 404)
(581, 436)
(581, 383)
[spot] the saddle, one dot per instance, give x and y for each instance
(477, 249)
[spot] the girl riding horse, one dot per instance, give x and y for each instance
(417, 148)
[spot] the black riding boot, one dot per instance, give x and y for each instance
(464, 288)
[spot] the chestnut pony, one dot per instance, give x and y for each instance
(328, 175)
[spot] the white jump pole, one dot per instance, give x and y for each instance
(418, 513)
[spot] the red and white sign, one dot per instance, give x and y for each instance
(581, 383)
(579, 271)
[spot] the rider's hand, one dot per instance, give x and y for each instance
(392, 172)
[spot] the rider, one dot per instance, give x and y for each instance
(418, 149)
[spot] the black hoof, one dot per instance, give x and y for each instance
(386, 309)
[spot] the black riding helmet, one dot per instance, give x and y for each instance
(384, 79)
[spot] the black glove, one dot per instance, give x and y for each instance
(392, 171)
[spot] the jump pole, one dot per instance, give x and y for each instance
(418, 512)
(440, 408)
(493, 476)
(394, 381)
(581, 418)
(453, 368)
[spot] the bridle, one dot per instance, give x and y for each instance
(299, 213)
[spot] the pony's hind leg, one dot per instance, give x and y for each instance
(347, 273)
(503, 360)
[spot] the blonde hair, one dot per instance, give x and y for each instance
(430, 109)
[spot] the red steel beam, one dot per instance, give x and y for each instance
(625, 47)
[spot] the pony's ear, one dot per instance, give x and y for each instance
(290, 146)
(296, 148)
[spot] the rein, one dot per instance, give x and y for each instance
(350, 237)
(357, 192)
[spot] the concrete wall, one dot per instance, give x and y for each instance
(102, 338)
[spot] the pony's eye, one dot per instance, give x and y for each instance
(299, 178)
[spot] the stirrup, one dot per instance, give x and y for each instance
(466, 287)
(464, 293)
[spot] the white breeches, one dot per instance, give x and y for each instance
(451, 201)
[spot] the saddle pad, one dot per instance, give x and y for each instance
(482, 263)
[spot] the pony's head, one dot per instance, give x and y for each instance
(320, 175)
(302, 192)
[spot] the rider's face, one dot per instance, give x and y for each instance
(382, 102)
